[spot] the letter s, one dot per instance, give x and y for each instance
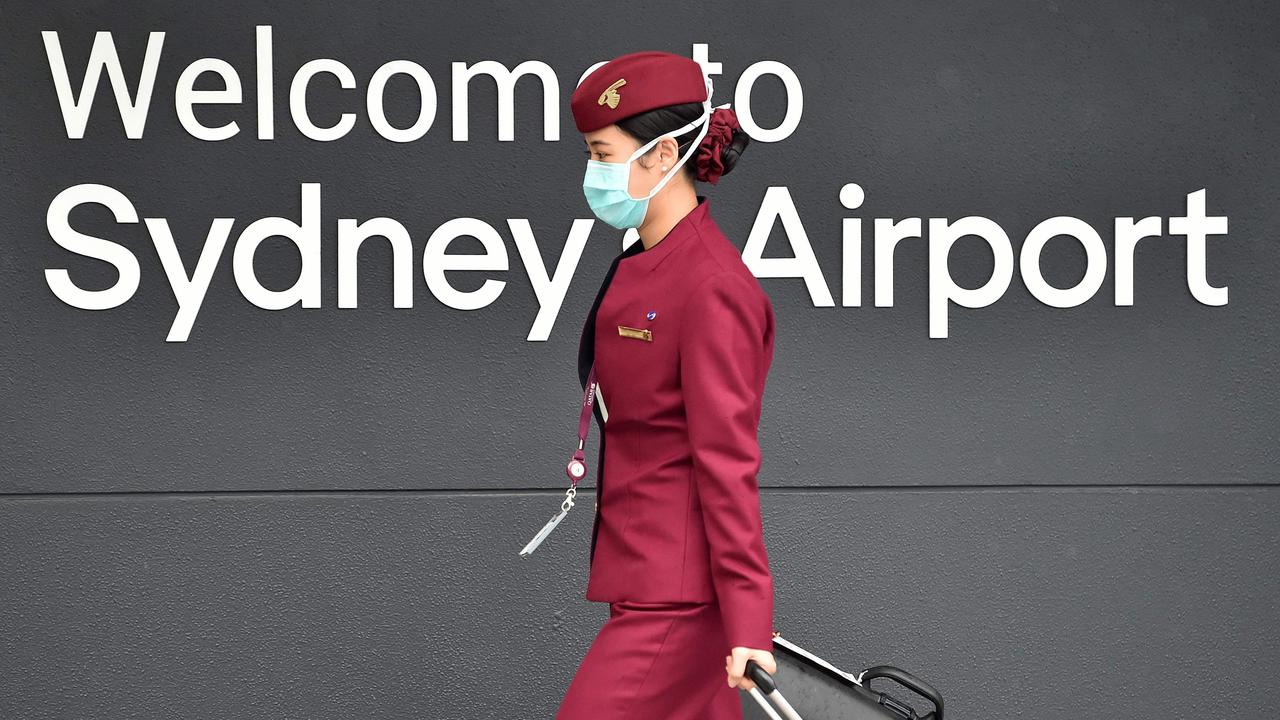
(119, 256)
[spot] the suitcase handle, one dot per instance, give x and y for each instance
(764, 682)
(904, 678)
(761, 677)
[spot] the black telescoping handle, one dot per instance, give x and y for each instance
(905, 678)
(760, 677)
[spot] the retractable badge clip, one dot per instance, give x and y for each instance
(576, 469)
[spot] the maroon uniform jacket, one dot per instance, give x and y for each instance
(682, 338)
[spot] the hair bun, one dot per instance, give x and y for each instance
(721, 146)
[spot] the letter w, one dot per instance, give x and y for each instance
(75, 112)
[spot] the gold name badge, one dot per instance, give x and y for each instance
(640, 333)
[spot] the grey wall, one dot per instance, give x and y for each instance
(315, 513)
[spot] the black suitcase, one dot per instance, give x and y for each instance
(818, 690)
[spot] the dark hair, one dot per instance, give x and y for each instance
(650, 124)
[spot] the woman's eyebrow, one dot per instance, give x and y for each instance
(599, 142)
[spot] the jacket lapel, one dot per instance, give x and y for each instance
(587, 340)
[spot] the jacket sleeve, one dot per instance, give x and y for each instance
(726, 346)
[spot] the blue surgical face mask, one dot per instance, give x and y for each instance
(605, 183)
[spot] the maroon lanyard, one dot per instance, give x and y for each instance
(577, 468)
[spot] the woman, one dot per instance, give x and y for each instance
(681, 338)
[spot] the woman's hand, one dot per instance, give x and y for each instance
(735, 665)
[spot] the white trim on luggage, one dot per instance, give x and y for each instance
(814, 658)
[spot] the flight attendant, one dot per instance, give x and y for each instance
(678, 342)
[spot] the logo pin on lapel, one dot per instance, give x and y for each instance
(652, 314)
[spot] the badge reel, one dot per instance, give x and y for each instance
(576, 469)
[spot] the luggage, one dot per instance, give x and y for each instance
(817, 690)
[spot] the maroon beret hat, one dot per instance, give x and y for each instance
(633, 83)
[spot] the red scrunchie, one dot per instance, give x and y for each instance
(719, 136)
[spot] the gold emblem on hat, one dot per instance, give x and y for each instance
(610, 95)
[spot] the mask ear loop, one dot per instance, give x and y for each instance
(705, 119)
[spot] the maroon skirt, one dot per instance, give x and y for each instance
(655, 660)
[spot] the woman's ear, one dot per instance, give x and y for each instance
(661, 157)
(675, 152)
